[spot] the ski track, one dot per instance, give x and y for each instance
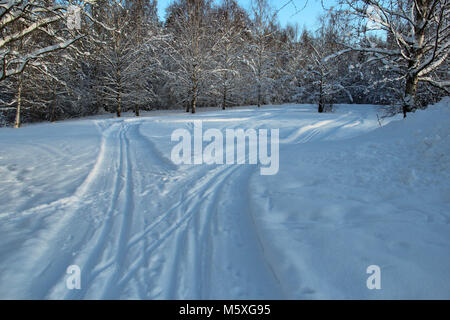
(133, 237)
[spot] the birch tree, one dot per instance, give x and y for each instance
(21, 19)
(232, 24)
(260, 56)
(125, 79)
(191, 48)
(421, 33)
(31, 31)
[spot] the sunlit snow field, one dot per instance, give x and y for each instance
(102, 193)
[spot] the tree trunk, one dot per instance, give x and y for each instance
(409, 103)
(321, 105)
(260, 65)
(119, 105)
(259, 95)
(52, 114)
(136, 110)
(412, 78)
(321, 99)
(225, 82)
(194, 92)
(118, 74)
(224, 103)
(194, 100)
(19, 103)
(119, 93)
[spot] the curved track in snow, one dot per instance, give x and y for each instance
(141, 227)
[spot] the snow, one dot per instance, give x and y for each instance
(103, 194)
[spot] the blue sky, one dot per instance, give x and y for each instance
(306, 17)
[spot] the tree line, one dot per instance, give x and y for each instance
(206, 53)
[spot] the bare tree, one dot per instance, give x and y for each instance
(31, 32)
(21, 19)
(125, 80)
(260, 56)
(191, 48)
(421, 33)
(231, 22)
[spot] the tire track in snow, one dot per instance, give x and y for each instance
(127, 217)
(237, 192)
(189, 225)
(66, 202)
(194, 237)
(180, 228)
(163, 161)
(97, 250)
(319, 130)
(46, 269)
(199, 188)
(93, 267)
(191, 268)
(183, 211)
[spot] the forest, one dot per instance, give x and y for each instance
(123, 57)
(220, 150)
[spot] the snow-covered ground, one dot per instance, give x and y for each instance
(104, 194)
